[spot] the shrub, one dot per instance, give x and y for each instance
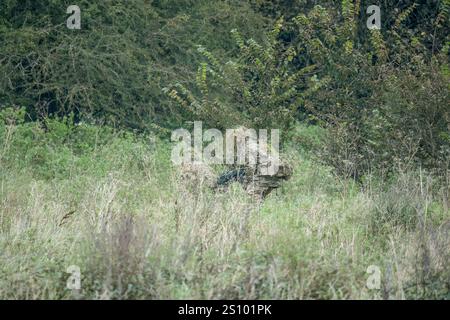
(112, 69)
(381, 96)
(258, 89)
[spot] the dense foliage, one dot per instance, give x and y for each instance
(260, 89)
(383, 94)
(114, 68)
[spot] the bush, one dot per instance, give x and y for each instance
(113, 68)
(258, 89)
(382, 98)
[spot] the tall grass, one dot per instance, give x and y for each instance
(117, 208)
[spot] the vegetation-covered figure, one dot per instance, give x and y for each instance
(257, 179)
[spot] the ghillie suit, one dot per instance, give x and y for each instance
(257, 179)
(255, 183)
(251, 178)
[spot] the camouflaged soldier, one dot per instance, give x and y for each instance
(259, 177)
